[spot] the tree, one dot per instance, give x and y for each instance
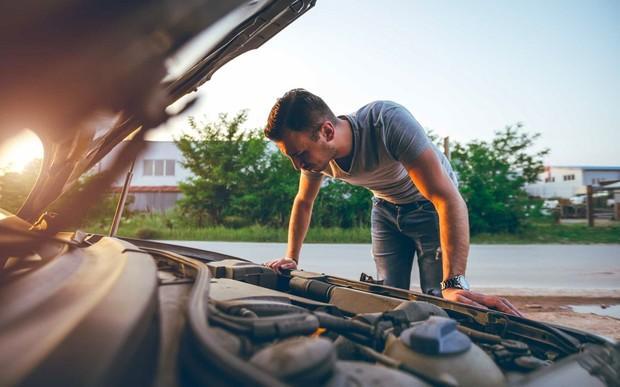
(227, 165)
(278, 189)
(97, 216)
(340, 204)
(15, 186)
(492, 176)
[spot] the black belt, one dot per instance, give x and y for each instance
(406, 206)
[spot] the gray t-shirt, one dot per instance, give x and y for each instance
(385, 136)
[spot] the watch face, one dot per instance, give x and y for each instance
(463, 282)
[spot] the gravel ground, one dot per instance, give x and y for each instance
(555, 308)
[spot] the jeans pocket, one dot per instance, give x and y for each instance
(428, 208)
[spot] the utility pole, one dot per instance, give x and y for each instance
(589, 206)
(446, 147)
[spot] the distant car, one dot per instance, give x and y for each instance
(549, 205)
(579, 199)
(81, 309)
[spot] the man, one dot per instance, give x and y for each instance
(416, 205)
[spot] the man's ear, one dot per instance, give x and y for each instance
(328, 130)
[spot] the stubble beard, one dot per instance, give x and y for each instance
(330, 154)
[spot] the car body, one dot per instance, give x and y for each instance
(579, 199)
(86, 309)
(549, 206)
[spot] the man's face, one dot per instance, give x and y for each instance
(307, 151)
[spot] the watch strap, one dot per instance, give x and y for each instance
(456, 282)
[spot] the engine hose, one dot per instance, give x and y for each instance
(342, 325)
(235, 328)
(357, 338)
(244, 312)
(261, 308)
(271, 320)
(250, 320)
(267, 328)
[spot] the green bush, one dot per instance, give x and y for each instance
(492, 177)
(148, 233)
(235, 221)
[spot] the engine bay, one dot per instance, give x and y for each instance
(94, 310)
(312, 329)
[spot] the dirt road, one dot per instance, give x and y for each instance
(556, 310)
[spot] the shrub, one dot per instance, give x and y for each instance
(147, 233)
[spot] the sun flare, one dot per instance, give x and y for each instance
(16, 152)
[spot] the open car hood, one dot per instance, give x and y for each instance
(85, 75)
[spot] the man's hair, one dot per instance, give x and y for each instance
(297, 110)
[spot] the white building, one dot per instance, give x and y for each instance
(569, 181)
(156, 176)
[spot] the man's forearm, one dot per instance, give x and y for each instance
(454, 235)
(298, 227)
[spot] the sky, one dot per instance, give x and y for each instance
(463, 68)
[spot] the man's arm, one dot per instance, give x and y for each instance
(299, 222)
(428, 175)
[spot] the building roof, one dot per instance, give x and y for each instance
(615, 185)
(587, 167)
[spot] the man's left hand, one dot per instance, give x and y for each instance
(481, 300)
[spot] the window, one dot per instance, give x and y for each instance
(148, 167)
(170, 167)
(159, 167)
(568, 177)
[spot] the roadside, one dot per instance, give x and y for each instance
(556, 309)
(161, 226)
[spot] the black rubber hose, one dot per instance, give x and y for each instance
(341, 325)
(224, 323)
(260, 308)
(281, 328)
(244, 312)
(267, 328)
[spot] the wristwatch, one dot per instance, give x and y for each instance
(456, 282)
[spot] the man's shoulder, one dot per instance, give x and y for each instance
(379, 107)
(375, 114)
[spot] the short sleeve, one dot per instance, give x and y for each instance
(405, 139)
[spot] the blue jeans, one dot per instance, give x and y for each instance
(398, 233)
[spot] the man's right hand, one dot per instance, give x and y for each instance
(281, 263)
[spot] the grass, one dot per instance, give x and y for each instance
(153, 226)
(548, 232)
